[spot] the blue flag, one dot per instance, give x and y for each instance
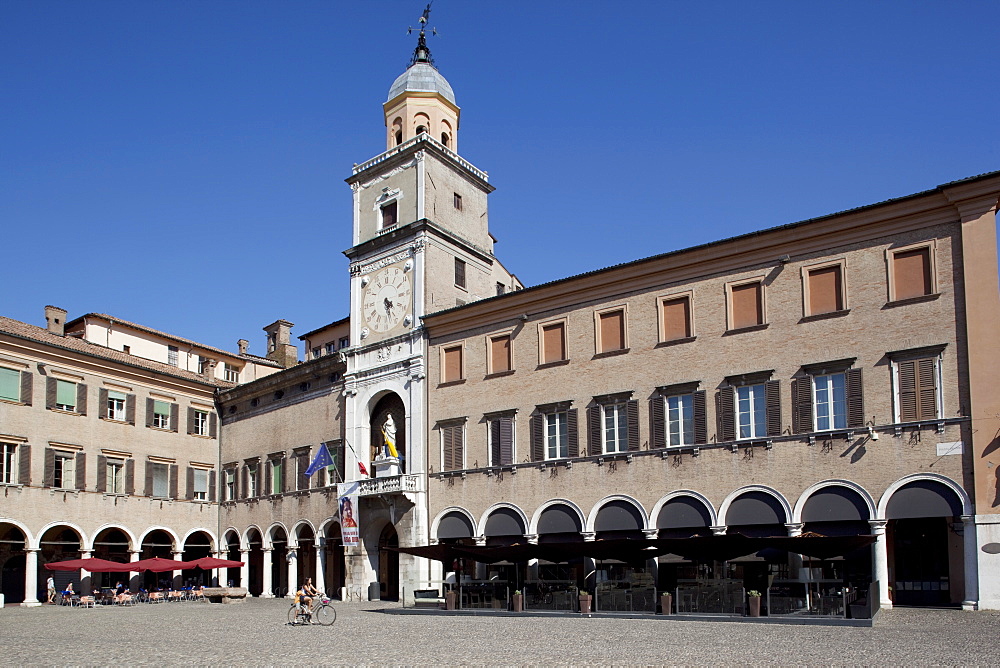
(321, 461)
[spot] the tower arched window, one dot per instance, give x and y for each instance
(421, 128)
(445, 139)
(399, 137)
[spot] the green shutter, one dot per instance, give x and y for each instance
(66, 393)
(10, 384)
(161, 408)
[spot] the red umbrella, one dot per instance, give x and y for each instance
(208, 563)
(159, 565)
(93, 565)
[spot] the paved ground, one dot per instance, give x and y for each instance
(255, 633)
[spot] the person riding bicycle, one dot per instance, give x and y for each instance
(304, 604)
(310, 591)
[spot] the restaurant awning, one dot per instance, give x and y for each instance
(94, 565)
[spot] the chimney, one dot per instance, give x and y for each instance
(55, 320)
(243, 345)
(279, 347)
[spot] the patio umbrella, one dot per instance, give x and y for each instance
(208, 563)
(93, 565)
(159, 565)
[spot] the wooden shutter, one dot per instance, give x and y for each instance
(725, 410)
(130, 408)
(389, 215)
(81, 471)
(173, 416)
(149, 479)
(772, 398)
(572, 433)
(746, 305)
(24, 464)
(855, 398)
(538, 437)
(612, 331)
(211, 485)
(190, 420)
(286, 464)
(49, 472)
(676, 319)
(632, 414)
(189, 483)
(825, 291)
(341, 453)
(102, 402)
(802, 405)
(212, 424)
(452, 364)
(495, 442)
(506, 440)
(26, 388)
(657, 422)
(102, 473)
(927, 389)
(149, 412)
(699, 414)
(594, 441)
(50, 392)
(459, 440)
(246, 481)
(447, 450)
(553, 343)
(81, 400)
(303, 466)
(500, 354)
(130, 476)
(174, 482)
(911, 273)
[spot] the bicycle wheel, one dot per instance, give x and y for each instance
(326, 615)
(292, 617)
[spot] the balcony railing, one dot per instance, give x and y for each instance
(422, 137)
(397, 484)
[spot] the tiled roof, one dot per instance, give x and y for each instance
(23, 330)
(142, 328)
(324, 327)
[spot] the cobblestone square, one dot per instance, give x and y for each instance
(255, 633)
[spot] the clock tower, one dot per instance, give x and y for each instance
(421, 244)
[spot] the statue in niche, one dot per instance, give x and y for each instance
(389, 437)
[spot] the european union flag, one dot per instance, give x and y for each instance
(321, 461)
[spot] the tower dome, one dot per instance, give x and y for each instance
(421, 77)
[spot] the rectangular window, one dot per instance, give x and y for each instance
(615, 428)
(316, 352)
(116, 406)
(10, 384)
(251, 480)
(452, 364)
(161, 414)
(232, 374)
(500, 354)
(918, 389)
(460, 273)
(65, 395)
(458, 201)
(824, 290)
(556, 435)
(202, 364)
(452, 447)
(501, 440)
(200, 423)
(746, 305)
(912, 273)
(389, 215)
(172, 355)
(830, 392)
(115, 476)
(277, 476)
(63, 476)
(611, 331)
(200, 490)
(553, 343)
(230, 486)
(331, 348)
(751, 411)
(680, 420)
(344, 342)
(675, 314)
(501, 289)
(161, 480)
(8, 464)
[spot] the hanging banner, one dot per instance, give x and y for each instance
(347, 505)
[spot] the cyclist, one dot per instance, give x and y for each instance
(304, 605)
(310, 590)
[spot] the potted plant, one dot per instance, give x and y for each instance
(754, 596)
(666, 603)
(585, 601)
(517, 600)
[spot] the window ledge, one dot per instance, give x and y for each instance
(12, 485)
(450, 383)
(610, 353)
(549, 365)
(825, 316)
(912, 300)
(107, 419)
(160, 429)
(675, 342)
(201, 436)
(741, 330)
(498, 374)
(64, 411)
(12, 401)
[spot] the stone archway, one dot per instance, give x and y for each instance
(12, 563)
(388, 404)
(388, 564)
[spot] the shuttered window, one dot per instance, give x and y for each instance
(8, 464)
(553, 343)
(115, 404)
(65, 395)
(501, 435)
(676, 318)
(10, 384)
(229, 481)
(826, 293)
(452, 364)
(161, 414)
(389, 215)
(746, 305)
(612, 426)
(500, 354)
(612, 331)
(452, 447)
(199, 485)
(749, 411)
(911, 273)
(918, 389)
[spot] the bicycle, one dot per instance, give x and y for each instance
(322, 612)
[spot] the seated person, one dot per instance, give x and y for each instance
(310, 590)
(303, 604)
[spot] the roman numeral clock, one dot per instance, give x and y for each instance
(387, 299)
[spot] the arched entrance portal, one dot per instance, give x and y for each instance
(334, 577)
(306, 554)
(279, 562)
(197, 545)
(389, 405)
(157, 543)
(58, 544)
(388, 564)
(12, 563)
(112, 544)
(255, 565)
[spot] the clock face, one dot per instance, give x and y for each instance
(387, 299)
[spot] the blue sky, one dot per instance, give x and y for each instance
(181, 164)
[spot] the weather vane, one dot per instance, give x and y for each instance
(422, 54)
